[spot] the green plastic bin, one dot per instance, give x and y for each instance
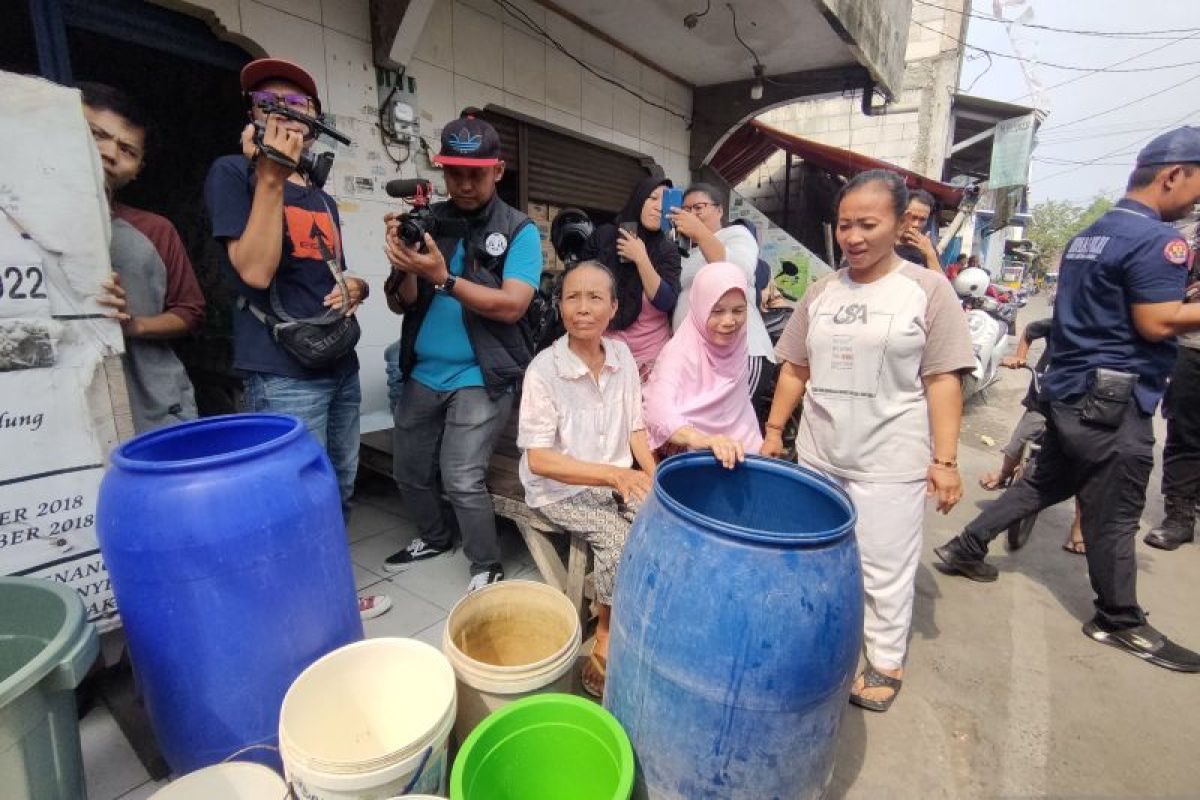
(545, 746)
(46, 647)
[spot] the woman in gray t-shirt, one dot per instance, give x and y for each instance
(876, 349)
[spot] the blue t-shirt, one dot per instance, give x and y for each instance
(1126, 257)
(445, 358)
(303, 278)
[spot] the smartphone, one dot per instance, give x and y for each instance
(632, 228)
(672, 200)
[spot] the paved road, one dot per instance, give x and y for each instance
(1004, 696)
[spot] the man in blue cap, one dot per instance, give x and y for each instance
(464, 345)
(1120, 304)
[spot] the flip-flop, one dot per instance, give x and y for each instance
(992, 483)
(595, 666)
(1075, 548)
(874, 679)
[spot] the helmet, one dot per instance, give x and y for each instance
(569, 233)
(972, 282)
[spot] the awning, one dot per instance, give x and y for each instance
(755, 142)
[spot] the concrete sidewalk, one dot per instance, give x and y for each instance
(1004, 696)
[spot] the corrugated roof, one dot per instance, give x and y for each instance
(755, 142)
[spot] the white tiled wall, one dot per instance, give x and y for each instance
(471, 53)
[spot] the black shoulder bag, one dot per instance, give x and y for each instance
(316, 342)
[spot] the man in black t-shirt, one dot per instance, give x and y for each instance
(279, 233)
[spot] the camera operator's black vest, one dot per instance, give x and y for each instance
(502, 349)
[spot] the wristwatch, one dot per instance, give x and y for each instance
(447, 286)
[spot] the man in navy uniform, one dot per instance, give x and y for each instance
(1119, 307)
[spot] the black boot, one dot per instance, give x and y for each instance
(1177, 527)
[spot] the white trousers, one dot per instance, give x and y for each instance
(891, 521)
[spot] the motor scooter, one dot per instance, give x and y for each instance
(988, 322)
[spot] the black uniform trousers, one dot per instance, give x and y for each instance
(1108, 469)
(1181, 454)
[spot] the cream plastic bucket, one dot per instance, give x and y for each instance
(237, 780)
(507, 641)
(369, 721)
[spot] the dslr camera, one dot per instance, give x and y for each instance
(418, 193)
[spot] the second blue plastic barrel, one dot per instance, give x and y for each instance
(737, 623)
(228, 557)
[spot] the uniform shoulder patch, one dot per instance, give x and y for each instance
(1176, 252)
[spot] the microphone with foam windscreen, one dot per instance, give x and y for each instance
(405, 188)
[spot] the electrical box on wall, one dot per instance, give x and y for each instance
(398, 108)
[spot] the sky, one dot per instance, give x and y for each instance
(1111, 139)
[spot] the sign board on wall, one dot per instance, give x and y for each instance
(792, 264)
(1011, 149)
(57, 414)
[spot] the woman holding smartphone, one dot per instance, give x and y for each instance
(646, 265)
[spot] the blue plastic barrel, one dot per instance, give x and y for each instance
(737, 623)
(228, 557)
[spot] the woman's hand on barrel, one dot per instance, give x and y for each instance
(729, 452)
(631, 484)
(945, 483)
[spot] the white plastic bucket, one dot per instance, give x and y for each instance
(370, 720)
(507, 641)
(237, 780)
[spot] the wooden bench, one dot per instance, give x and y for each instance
(508, 498)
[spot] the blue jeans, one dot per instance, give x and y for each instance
(328, 407)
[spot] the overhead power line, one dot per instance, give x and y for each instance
(1122, 106)
(1146, 35)
(1070, 67)
(1126, 149)
(1108, 67)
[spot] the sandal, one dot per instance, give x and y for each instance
(874, 679)
(594, 675)
(992, 482)
(1075, 548)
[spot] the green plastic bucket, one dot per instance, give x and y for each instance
(46, 647)
(545, 746)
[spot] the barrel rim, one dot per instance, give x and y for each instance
(122, 459)
(741, 532)
(51, 656)
(512, 679)
(384, 760)
(590, 708)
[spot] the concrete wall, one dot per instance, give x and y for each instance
(470, 53)
(874, 28)
(917, 138)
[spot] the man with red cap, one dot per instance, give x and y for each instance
(281, 247)
(464, 292)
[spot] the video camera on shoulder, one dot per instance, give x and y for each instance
(418, 193)
(314, 167)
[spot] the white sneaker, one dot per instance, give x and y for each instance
(485, 578)
(371, 606)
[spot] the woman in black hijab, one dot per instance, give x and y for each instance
(646, 264)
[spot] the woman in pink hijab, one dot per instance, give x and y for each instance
(698, 396)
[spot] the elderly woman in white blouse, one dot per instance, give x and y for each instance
(580, 431)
